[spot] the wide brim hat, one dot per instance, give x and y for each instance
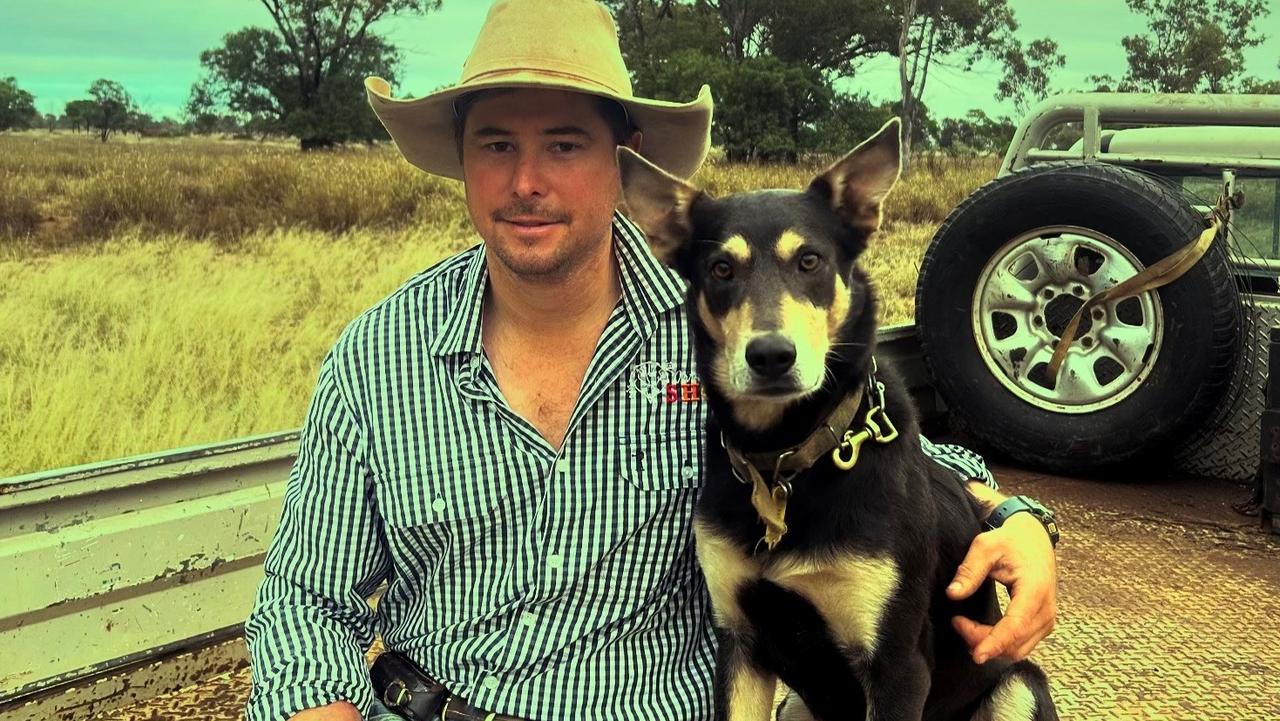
(567, 45)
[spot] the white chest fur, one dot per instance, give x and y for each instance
(849, 591)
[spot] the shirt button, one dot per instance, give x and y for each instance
(491, 683)
(528, 619)
(562, 466)
(687, 472)
(438, 505)
(555, 560)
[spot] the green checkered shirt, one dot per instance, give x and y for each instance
(536, 583)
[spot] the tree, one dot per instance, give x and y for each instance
(112, 107)
(851, 119)
(1026, 73)
(766, 104)
(975, 133)
(1261, 87)
(834, 36)
(140, 123)
(80, 114)
(744, 47)
(934, 31)
(17, 106)
(1193, 45)
(201, 108)
(304, 76)
(768, 107)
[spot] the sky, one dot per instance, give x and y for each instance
(56, 48)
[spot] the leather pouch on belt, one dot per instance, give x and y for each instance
(407, 689)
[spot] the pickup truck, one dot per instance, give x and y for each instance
(1174, 373)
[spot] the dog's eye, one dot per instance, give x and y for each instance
(810, 261)
(721, 270)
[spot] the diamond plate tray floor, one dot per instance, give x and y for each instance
(1169, 608)
(1231, 450)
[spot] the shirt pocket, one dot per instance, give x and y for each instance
(661, 446)
(661, 461)
(419, 498)
(437, 522)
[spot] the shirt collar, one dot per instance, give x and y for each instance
(461, 328)
(649, 289)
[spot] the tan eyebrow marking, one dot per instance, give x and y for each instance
(737, 247)
(788, 243)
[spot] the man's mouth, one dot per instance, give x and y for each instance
(527, 221)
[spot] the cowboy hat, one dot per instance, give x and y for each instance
(566, 45)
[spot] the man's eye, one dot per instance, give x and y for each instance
(721, 270)
(500, 146)
(810, 261)
(564, 147)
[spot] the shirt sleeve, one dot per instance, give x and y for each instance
(959, 460)
(311, 623)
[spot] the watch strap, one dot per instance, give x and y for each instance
(1018, 504)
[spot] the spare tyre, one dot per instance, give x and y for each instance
(1005, 273)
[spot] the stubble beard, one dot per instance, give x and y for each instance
(576, 251)
(540, 267)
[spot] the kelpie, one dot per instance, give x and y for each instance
(825, 534)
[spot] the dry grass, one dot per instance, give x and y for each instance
(145, 345)
(171, 293)
(214, 189)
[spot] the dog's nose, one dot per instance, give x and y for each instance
(771, 356)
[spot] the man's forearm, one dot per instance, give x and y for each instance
(310, 625)
(336, 711)
(988, 496)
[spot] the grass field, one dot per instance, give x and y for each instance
(166, 293)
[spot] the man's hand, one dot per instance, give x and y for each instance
(1019, 555)
(336, 711)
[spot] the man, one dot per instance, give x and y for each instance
(494, 440)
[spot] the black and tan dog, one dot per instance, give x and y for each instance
(825, 534)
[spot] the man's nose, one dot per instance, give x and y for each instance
(527, 177)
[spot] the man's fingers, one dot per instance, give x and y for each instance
(973, 570)
(1039, 627)
(971, 631)
(1025, 649)
(1008, 634)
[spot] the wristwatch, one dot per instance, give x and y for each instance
(1018, 504)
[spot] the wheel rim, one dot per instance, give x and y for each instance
(1025, 297)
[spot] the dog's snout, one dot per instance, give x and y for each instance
(771, 356)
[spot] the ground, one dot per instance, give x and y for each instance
(1169, 608)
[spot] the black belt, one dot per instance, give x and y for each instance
(411, 692)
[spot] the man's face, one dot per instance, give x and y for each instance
(541, 179)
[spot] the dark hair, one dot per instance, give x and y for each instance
(613, 112)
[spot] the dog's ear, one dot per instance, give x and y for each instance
(658, 202)
(856, 185)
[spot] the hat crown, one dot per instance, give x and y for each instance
(572, 38)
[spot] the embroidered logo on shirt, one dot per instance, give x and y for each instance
(659, 381)
(684, 392)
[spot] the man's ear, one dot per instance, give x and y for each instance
(658, 202)
(856, 185)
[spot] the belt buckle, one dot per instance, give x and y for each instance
(402, 696)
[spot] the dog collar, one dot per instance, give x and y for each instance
(770, 498)
(788, 463)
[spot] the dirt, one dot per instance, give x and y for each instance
(1169, 600)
